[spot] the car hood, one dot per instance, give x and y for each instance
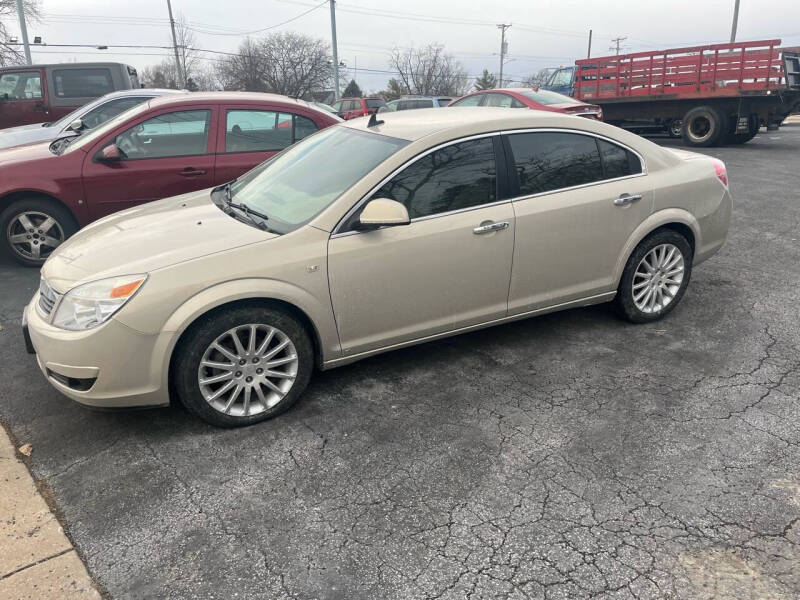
(29, 152)
(26, 134)
(148, 237)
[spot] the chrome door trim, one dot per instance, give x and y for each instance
(368, 196)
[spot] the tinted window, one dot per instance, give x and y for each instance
(468, 101)
(444, 101)
(375, 103)
(456, 176)
(173, 134)
(104, 112)
(257, 130)
(82, 83)
(303, 126)
(21, 86)
(517, 104)
(618, 162)
(551, 161)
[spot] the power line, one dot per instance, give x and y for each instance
(302, 14)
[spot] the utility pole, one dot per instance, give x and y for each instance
(181, 77)
(335, 51)
(616, 44)
(503, 49)
(589, 51)
(735, 21)
(24, 31)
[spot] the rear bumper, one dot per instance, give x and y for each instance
(111, 366)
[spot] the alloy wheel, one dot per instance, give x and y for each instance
(658, 278)
(34, 235)
(247, 370)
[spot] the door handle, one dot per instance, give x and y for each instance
(626, 199)
(489, 226)
(190, 172)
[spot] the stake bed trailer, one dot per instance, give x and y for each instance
(715, 94)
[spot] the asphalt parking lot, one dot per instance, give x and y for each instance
(566, 456)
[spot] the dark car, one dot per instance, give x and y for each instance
(39, 93)
(164, 147)
(535, 98)
(352, 108)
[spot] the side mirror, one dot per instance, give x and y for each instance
(76, 126)
(110, 154)
(382, 212)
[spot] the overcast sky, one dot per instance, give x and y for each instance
(544, 32)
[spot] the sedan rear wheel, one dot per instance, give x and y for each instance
(655, 277)
(243, 365)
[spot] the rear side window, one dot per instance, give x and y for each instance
(303, 126)
(445, 101)
(257, 130)
(550, 161)
(82, 83)
(500, 100)
(454, 177)
(617, 161)
(375, 103)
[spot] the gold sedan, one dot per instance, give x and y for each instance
(365, 237)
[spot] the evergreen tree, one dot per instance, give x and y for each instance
(352, 90)
(487, 81)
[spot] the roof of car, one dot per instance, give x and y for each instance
(468, 120)
(244, 97)
(146, 91)
(79, 65)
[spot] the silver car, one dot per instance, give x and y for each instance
(365, 237)
(86, 117)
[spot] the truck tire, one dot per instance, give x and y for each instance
(675, 128)
(703, 126)
(743, 138)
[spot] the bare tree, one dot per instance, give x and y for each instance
(12, 54)
(429, 71)
(189, 58)
(539, 78)
(296, 64)
(291, 64)
(244, 70)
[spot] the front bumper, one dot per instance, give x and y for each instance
(110, 366)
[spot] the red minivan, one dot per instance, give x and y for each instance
(167, 146)
(45, 93)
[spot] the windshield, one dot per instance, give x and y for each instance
(546, 97)
(561, 77)
(306, 178)
(89, 138)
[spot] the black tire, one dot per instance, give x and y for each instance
(186, 367)
(743, 138)
(703, 126)
(37, 210)
(624, 301)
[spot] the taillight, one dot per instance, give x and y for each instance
(722, 173)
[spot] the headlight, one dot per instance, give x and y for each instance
(91, 304)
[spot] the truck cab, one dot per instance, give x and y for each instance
(43, 93)
(561, 81)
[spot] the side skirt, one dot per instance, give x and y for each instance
(598, 299)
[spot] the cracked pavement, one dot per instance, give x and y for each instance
(566, 456)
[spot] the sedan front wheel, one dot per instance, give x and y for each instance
(243, 365)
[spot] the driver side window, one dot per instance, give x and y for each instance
(182, 133)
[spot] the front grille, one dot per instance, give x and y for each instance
(47, 298)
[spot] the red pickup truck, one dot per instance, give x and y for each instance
(709, 95)
(40, 93)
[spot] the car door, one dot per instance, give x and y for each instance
(161, 155)
(22, 98)
(248, 136)
(449, 268)
(578, 200)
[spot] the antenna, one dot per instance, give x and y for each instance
(373, 120)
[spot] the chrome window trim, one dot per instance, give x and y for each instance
(368, 196)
